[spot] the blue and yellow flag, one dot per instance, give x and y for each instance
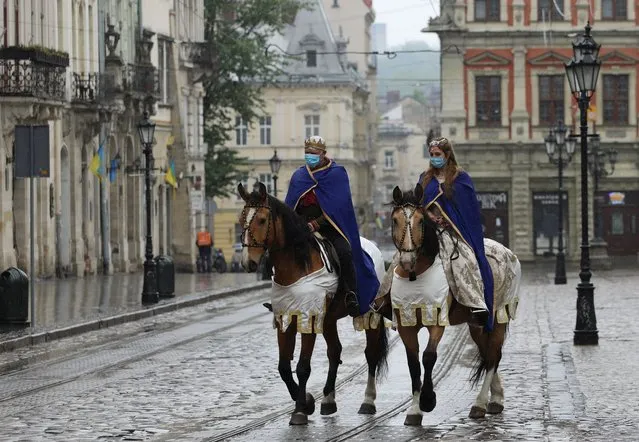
(115, 165)
(170, 177)
(97, 165)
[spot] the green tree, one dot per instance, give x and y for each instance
(238, 35)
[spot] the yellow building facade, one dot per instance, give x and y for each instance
(321, 95)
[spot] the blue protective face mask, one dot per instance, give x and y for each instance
(312, 159)
(438, 162)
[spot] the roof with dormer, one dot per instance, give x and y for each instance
(311, 31)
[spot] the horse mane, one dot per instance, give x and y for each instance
(430, 244)
(297, 236)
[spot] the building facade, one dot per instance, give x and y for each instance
(401, 158)
(89, 69)
(504, 86)
(320, 95)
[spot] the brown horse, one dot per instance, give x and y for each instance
(270, 225)
(421, 273)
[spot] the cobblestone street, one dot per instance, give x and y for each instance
(206, 372)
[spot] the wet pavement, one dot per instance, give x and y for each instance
(64, 302)
(205, 372)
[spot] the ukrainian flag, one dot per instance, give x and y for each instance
(97, 165)
(169, 177)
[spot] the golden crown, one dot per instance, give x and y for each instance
(315, 141)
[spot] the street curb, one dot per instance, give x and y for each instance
(110, 321)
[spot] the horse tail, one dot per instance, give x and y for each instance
(479, 366)
(383, 349)
(490, 360)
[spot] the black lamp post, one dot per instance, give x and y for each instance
(598, 169)
(275, 164)
(560, 150)
(146, 129)
(582, 72)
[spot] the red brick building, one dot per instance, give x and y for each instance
(504, 86)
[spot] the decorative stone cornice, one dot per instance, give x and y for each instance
(487, 58)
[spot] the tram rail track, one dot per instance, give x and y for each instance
(286, 412)
(448, 360)
(113, 347)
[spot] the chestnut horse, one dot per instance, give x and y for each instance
(270, 225)
(430, 303)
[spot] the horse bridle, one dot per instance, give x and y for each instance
(411, 208)
(254, 242)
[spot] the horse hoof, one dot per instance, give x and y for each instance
(413, 420)
(310, 404)
(328, 408)
(367, 409)
(427, 402)
(477, 412)
(494, 408)
(298, 418)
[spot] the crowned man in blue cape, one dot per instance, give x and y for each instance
(451, 201)
(320, 192)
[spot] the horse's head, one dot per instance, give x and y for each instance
(257, 224)
(414, 234)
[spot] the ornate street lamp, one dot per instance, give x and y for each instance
(560, 150)
(146, 129)
(275, 164)
(111, 39)
(582, 72)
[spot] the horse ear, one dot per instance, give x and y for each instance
(262, 191)
(419, 192)
(242, 191)
(397, 195)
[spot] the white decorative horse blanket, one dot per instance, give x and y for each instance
(429, 292)
(461, 271)
(307, 299)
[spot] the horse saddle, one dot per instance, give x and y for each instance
(328, 253)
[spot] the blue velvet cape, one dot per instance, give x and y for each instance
(333, 192)
(464, 215)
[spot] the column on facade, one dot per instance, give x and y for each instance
(7, 253)
(583, 12)
(519, 117)
(453, 116)
(522, 217)
(133, 200)
(89, 219)
(519, 11)
(77, 193)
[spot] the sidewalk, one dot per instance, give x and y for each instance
(66, 307)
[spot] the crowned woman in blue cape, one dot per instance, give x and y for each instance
(320, 192)
(450, 200)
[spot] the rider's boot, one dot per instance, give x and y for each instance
(348, 285)
(352, 304)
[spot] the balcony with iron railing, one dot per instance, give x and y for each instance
(33, 71)
(393, 130)
(196, 54)
(92, 88)
(141, 80)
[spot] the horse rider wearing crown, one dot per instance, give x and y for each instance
(320, 192)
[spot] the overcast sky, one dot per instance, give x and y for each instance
(405, 19)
